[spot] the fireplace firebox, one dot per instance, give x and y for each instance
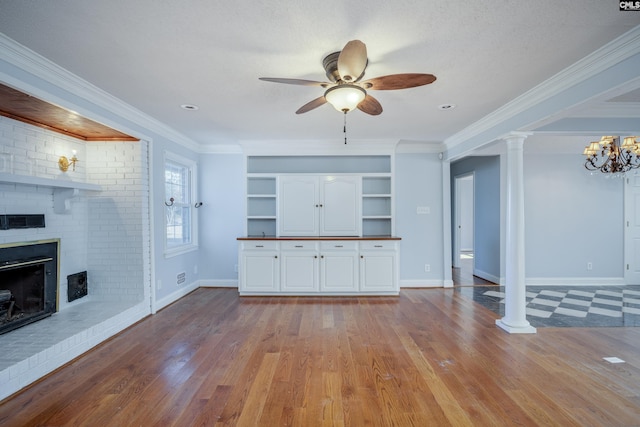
(28, 283)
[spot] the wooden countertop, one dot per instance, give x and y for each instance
(321, 238)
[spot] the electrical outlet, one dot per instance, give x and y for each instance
(181, 278)
(427, 268)
(589, 266)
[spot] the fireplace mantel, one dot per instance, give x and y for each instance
(63, 190)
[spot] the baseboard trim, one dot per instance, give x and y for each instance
(486, 276)
(175, 296)
(433, 283)
(218, 283)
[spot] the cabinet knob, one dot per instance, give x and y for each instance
(315, 256)
(322, 256)
(317, 206)
(362, 256)
(320, 204)
(276, 256)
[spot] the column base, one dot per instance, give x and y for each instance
(523, 329)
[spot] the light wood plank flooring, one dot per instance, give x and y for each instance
(430, 357)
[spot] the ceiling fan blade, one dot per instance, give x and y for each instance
(295, 81)
(370, 105)
(312, 104)
(398, 81)
(352, 61)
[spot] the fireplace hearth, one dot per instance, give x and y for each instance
(28, 283)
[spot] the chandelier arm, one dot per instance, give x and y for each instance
(612, 157)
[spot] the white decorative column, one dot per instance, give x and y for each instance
(515, 320)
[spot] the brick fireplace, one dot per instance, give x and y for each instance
(28, 283)
(104, 232)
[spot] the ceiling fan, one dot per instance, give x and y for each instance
(346, 90)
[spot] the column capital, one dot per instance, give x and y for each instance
(516, 136)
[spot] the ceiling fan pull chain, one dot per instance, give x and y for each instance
(345, 128)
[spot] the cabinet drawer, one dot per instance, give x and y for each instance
(271, 245)
(299, 245)
(338, 245)
(378, 245)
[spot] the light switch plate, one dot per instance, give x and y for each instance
(423, 210)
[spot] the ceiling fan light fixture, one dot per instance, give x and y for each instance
(345, 97)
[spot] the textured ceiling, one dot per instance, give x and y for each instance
(156, 55)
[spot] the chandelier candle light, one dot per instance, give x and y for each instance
(609, 157)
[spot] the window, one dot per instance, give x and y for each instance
(180, 216)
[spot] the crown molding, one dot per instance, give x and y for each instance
(37, 65)
(607, 56)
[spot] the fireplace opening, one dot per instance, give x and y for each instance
(28, 283)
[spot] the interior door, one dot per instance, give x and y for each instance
(632, 230)
(464, 217)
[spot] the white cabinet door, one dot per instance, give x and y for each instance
(299, 206)
(312, 205)
(379, 267)
(260, 271)
(299, 271)
(339, 271)
(340, 201)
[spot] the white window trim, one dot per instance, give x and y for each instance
(192, 165)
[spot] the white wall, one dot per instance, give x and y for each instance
(571, 217)
(167, 286)
(222, 217)
(418, 182)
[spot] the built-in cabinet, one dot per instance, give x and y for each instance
(326, 205)
(319, 225)
(319, 196)
(318, 267)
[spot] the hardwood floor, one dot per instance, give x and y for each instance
(429, 357)
(463, 276)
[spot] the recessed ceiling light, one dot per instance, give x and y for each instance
(446, 106)
(190, 107)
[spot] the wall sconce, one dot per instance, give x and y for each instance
(63, 162)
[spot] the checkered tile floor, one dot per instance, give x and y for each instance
(570, 306)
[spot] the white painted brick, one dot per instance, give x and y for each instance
(116, 219)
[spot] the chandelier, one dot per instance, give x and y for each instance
(608, 156)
